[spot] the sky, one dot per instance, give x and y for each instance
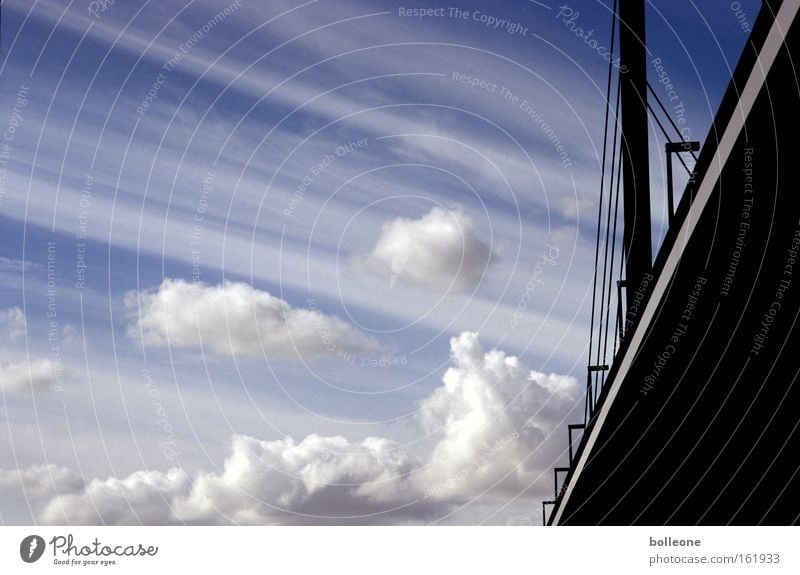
(309, 263)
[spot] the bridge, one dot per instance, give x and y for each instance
(694, 418)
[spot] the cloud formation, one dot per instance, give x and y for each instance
(36, 375)
(490, 420)
(440, 250)
(494, 416)
(234, 318)
(12, 322)
(318, 480)
(39, 481)
(143, 497)
(15, 265)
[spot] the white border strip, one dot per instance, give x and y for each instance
(755, 82)
(404, 550)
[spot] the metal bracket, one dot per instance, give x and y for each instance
(544, 512)
(571, 427)
(675, 148)
(556, 471)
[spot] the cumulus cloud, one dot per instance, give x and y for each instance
(316, 479)
(37, 375)
(235, 319)
(494, 415)
(489, 421)
(143, 497)
(440, 250)
(262, 482)
(39, 481)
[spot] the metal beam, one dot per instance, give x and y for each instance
(635, 154)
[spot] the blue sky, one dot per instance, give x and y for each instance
(307, 230)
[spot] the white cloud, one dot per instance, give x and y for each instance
(288, 482)
(38, 481)
(439, 250)
(236, 319)
(490, 420)
(494, 415)
(16, 266)
(142, 497)
(12, 322)
(262, 482)
(36, 375)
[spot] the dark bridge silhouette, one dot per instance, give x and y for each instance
(697, 418)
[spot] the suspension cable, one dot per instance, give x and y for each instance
(606, 279)
(611, 271)
(671, 121)
(666, 135)
(589, 406)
